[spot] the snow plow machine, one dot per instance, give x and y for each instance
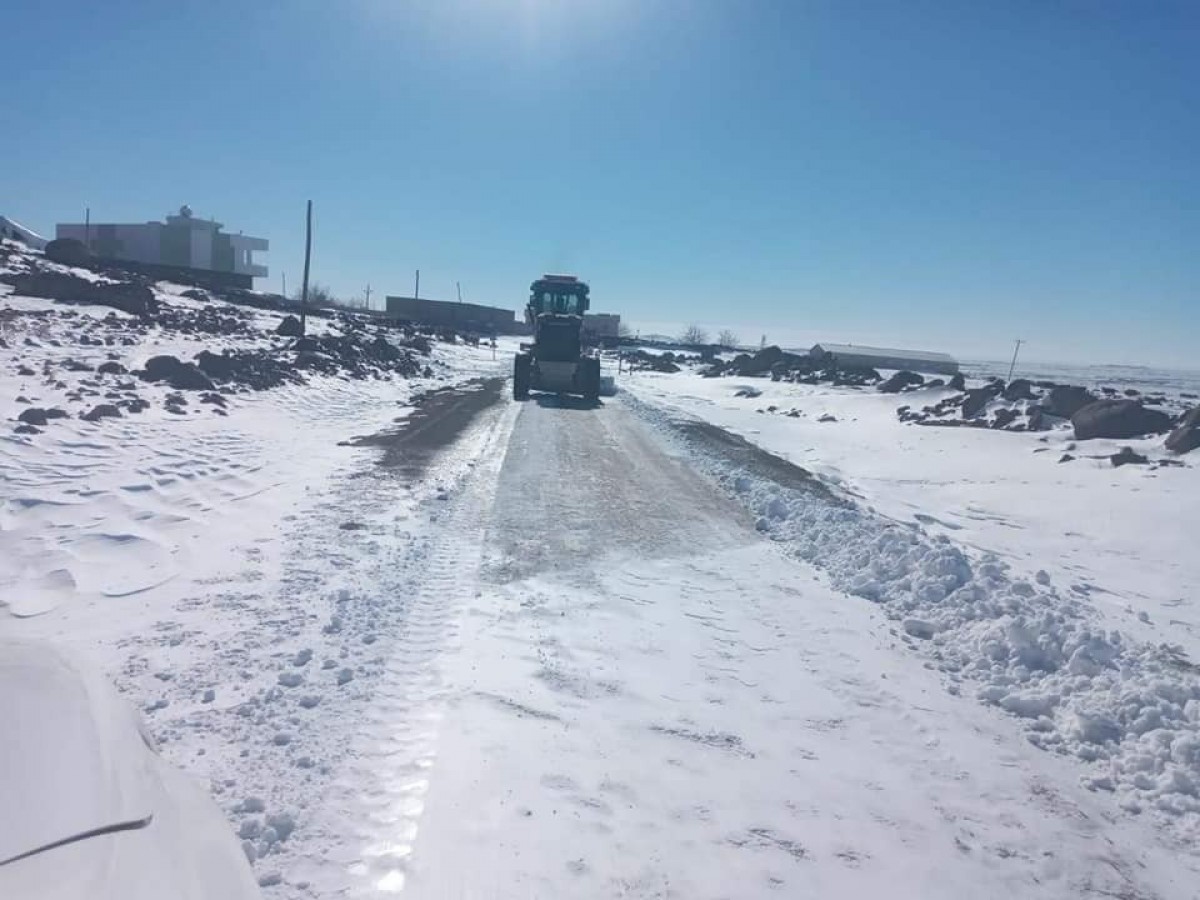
(556, 362)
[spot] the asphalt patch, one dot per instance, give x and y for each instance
(440, 418)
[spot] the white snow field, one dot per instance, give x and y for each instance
(605, 652)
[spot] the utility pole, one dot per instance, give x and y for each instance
(458, 287)
(762, 344)
(307, 255)
(87, 228)
(368, 293)
(283, 283)
(1013, 367)
(417, 289)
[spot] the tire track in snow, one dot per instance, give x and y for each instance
(370, 816)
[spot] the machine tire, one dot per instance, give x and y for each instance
(522, 375)
(591, 380)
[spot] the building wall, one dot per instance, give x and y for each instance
(444, 313)
(602, 324)
(873, 361)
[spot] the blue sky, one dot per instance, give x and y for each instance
(940, 175)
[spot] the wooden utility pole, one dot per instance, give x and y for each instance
(1013, 367)
(417, 289)
(458, 287)
(368, 293)
(87, 228)
(307, 256)
(283, 282)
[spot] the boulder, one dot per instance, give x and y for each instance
(1125, 456)
(899, 381)
(1005, 417)
(1019, 389)
(33, 416)
(975, 401)
(289, 326)
(68, 252)
(1037, 419)
(219, 366)
(103, 411)
(179, 375)
(1118, 419)
(957, 382)
(306, 345)
(1186, 436)
(760, 363)
(1064, 400)
(111, 368)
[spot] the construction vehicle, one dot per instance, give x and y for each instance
(556, 361)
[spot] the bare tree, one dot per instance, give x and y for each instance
(727, 338)
(694, 334)
(318, 295)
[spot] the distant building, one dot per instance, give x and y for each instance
(183, 242)
(448, 314)
(880, 358)
(602, 325)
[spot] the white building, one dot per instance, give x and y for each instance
(183, 241)
(880, 358)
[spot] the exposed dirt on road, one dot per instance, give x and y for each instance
(440, 418)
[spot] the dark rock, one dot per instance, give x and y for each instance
(213, 398)
(135, 405)
(26, 428)
(936, 382)
(1190, 396)
(72, 365)
(1118, 419)
(760, 363)
(179, 375)
(1037, 419)
(1132, 392)
(220, 367)
(1186, 436)
(1019, 389)
(899, 381)
(975, 401)
(103, 411)
(750, 392)
(111, 368)
(289, 326)
(1126, 457)
(68, 252)
(1066, 457)
(1065, 400)
(33, 416)
(134, 298)
(306, 345)
(26, 371)
(1005, 417)
(957, 382)
(827, 418)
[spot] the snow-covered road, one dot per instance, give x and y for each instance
(609, 684)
